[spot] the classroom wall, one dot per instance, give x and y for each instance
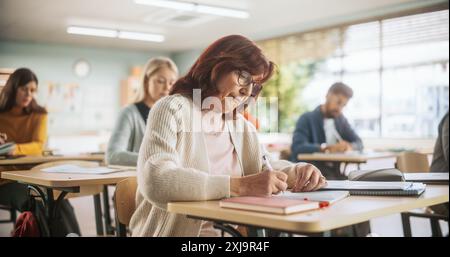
(75, 104)
(186, 59)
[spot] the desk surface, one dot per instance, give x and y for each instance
(52, 158)
(352, 210)
(54, 180)
(346, 157)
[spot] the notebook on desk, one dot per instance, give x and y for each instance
(376, 188)
(274, 205)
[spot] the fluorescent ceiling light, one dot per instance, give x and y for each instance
(195, 7)
(141, 36)
(113, 33)
(92, 31)
(181, 6)
(220, 11)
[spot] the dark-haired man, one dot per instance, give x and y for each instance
(327, 130)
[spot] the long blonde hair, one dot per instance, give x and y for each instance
(150, 68)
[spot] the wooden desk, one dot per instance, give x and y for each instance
(27, 162)
(349, 211)
(345, 157)
(66, 183)
(59, 180)
(34, 160)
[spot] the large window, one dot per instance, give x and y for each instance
(397, 67)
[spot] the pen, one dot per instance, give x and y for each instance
(269, 167)
(267, 163)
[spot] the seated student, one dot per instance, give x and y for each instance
(440, 154)
(24, 122)
(326, 130)
(158, 77)
(440, 159)
(185, 157)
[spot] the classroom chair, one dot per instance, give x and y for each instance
(124, 204)
(285, 154)
(417, 162)
(412, 162)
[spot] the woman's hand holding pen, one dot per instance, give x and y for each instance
(260, 184)
(308, 178)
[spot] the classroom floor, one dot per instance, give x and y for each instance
(387, 226)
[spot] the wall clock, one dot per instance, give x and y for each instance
(81, 68)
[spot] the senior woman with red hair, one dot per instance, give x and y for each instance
(186, 157)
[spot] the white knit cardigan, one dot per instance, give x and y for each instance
(173, 166)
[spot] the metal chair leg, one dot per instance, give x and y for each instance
(108, 227)
(121, 229)
(406, 225)
(98, 215)
(435, 228)
(13, 216)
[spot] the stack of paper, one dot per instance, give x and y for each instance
(319, 196)
(428, 177)
(70, 168)
(366, 185)
(6, 148)
(376, 187)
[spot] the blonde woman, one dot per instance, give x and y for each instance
(159, 75)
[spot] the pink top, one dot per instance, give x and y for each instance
(222, 156)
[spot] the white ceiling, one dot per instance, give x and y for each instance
(46, 20)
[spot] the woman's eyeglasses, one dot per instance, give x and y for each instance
(245, 80)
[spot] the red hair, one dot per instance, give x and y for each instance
(225, 55)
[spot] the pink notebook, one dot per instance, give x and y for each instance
(276, 205)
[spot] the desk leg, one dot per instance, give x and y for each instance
(108, 227)
(345, 168)
(406, 225)
(98, 215)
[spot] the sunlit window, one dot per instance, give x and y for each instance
(397, 67)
